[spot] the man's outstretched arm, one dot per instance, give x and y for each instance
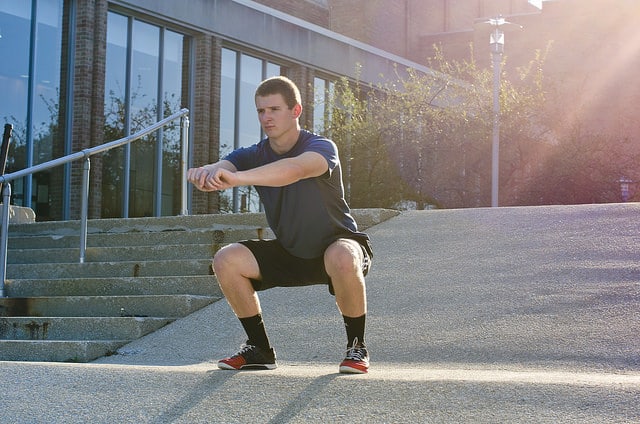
(276, 174)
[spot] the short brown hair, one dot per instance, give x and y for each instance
(280, 85)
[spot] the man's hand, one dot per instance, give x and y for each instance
(207, 178)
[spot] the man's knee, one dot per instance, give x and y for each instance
(228, 256)
(235, 259)
(342, 257)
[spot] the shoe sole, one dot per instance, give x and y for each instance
(224, 366)
(344, 369)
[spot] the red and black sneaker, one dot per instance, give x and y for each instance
(250, 357)
(356, 360)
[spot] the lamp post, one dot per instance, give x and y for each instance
(496, 42)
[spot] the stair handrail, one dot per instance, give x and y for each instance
(85, 154)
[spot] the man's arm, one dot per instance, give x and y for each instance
(276, 174)
(200, 177)
(283, 172)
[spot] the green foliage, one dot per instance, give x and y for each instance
(420, 138)
(426, 137)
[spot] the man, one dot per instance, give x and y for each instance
(298, 177)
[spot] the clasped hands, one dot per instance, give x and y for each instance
(216, 179)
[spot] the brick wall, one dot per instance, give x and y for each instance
(88, 104)
(590, 68)
(303, 77)
(399, 26)
(381, 23)
(202, 115)
(311, 11)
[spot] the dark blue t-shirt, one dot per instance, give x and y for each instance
(310, 214)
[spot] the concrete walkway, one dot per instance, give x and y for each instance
(481, 315)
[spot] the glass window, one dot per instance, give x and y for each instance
(115, 81)
(30, 45)
(15, 24)
(250, 77)
(170, 146)
(46, 77)
(143, 113)
(318, 105)
(144, 75)
(227, 101)
(113, 179)
(323, 92)
(239, 125)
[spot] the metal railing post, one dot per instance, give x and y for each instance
(184, 163)
(4, 234)
(85, 208)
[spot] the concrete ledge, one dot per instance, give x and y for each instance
(369, 217)
(21, 215)
(248, 221)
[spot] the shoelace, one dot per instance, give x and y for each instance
(356, 353)
(244, 348)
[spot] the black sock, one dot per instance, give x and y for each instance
(257, 334)
(355, 329)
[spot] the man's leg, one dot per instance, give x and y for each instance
(234, 266)
(343, 262)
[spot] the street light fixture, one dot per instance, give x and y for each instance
(496, 42)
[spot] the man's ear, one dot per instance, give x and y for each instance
(297, 110)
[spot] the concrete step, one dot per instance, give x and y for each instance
(58, 350)
(139, 274)
(364, 217)
(203, 285)
(136, 238)
(144, 225)
(171, 306)
(112, 254)
(78, 328)
(111, 269)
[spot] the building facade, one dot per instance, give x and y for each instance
(78, 73)
(85, 72)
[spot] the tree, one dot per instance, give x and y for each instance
(425, 137)
(584, 168)
(368, 175)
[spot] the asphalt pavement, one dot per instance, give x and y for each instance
(503, 315)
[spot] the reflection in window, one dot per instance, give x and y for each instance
(143, 84)
(227, 102)
(250, 77)
(168, 154)
(30, 87)
(143, 110)
(239, 126)
(323, 92)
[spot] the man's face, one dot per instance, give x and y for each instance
(275, 117)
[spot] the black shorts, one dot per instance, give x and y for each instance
(279, 268)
